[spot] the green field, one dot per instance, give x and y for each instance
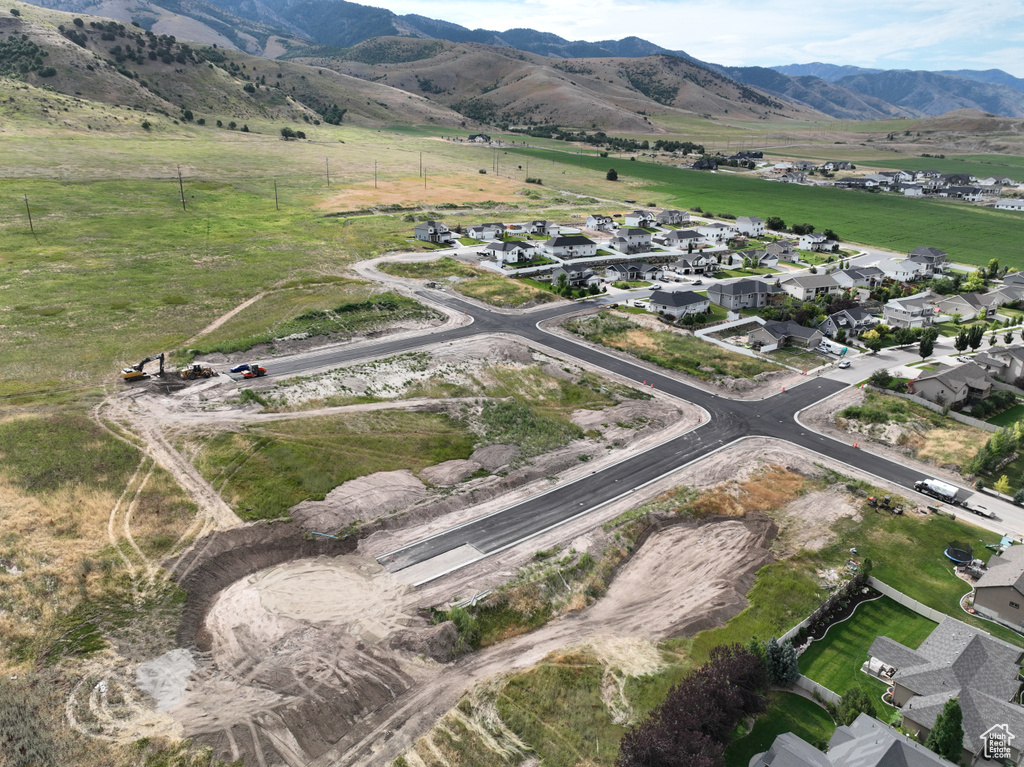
(1008, 417)
(480, 284)
(835, 660)
(787, 712)
(969, 234)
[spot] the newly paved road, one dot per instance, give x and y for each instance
(774, 416)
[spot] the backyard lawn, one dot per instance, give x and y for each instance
(786, 712)
(1008, 417)
(835, 660)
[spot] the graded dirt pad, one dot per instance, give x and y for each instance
(358, 499)
(439, 189)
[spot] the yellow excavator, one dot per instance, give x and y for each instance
(138, 373)
(195, 370)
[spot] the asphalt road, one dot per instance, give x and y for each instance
(774, 417)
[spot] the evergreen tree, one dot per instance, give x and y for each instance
(856, 701)
(960, 342)
(947, 736)
(790, 666)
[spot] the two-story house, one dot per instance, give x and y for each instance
(810, 286)
(916, 311)
(672, 218)
(601, 223)
(631, 240)
(750, 226)
(640, 218)
(852, 321)
(511, 252)
(433, 231)
(571, 246)
(743, 294)
(952, 385)
(816, 241)
(683, 239)
(494, 231)
(716, 233)
(903, 270)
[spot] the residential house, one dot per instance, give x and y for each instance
(858, 277)
(917, 311)
(672, 218)
(1005, 363)
(511, 252)
(1007, 294)
(642, 218)
(793, 177)
(803, 165)
(933, 258)
(955, 661)
(999, 593)
(783, 249)
(810, 286)
(572, 246)
(486, 231)
(716, 233)
(853, 321)
(759, 259)
(750, 226)
(705, 163)
(866, 742)
(1014, 279)
(1014, 203)
(532, 227)
(695, 263)
(684, 239)
(634, 271)
(969, 193)
(816, 241)
(601, 223)
(912, 190)
(855, 183)
(952, 384)
(576, 276)
(743, 294)
(775, 335)
(970, 306)
(903, 270)
(834, 165)
(433, 231)
(679, 303)
(479, 138)
(632, 240)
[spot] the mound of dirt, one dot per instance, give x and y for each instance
(494, 457)
(165, 679)
(362, 499)
(450, 472)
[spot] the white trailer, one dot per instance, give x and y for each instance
(936, 488)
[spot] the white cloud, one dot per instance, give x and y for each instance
(938, 34)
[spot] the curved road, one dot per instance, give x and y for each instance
(730, 420)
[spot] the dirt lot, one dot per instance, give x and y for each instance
(411, 190)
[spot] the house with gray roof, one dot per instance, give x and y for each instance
(679, 303)
(917, 311)
(433, 231)
(571, 246)
(576, 276)
(639, 218)
(809, 286)
(903, 270)
(511, 252)
(490, 231)
(672, 217)
(600, 222)
(638, 270)
(853, 321)
(952, 385)
(694, 263)
(816, 241)
(970, 306)
(866, 742)
(1003, 362)
(632, 240)
(684, 239)
(752, 226)
(858, 277)
(759, 258)
(783, 249)
(743, 294)
(999, 593)
(777, 334)
(962, 662)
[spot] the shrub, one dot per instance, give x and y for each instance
(537, 181)
(47, 72)
(612, 175)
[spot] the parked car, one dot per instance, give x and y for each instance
(240, 368)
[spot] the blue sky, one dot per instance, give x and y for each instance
(886, 34)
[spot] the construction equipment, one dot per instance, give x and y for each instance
(195, 370)
(137, 372)
(254, 371)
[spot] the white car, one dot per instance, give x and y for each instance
(844, 363)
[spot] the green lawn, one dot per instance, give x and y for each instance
(835, 661)
(787, 712)
(1008, 417)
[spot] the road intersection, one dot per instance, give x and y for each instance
(727, 421)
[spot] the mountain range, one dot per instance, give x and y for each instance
(338, 34)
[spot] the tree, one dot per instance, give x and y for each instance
(960, 342)
(781, 663)
(612, 175)
(830, 234)
(993, 268)
(287, 133)
(1002, 485)
(855, 701)
(873, 344)
(975, 336)
(947, 736)
(881, 379)
(1008, 338)
(775, 223)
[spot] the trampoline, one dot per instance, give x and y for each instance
(959, 553)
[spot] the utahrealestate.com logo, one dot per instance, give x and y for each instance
(997, 742)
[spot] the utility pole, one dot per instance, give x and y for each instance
(421, 163)
(424, 179)
(276, 205)
(374, 174)
(327, 165)
(29, 211)
(181, 188)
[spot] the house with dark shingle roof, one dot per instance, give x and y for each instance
(962, 662)
(864, 743)
(511, 251)
(571, 246)
(695, 263)
(776, 334)
(1004, 362)
(999, 593)
(681, 238)
(969, 306)
(807, 287)
(673, 217)
(853, 320)
(638, 270)
(743, 294)
(490, 231)
(951, 385)
(433, 231)
(679, 303)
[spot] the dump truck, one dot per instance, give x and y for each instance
(938, 489)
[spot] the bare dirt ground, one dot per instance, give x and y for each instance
(346, 629)
(411, 190)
